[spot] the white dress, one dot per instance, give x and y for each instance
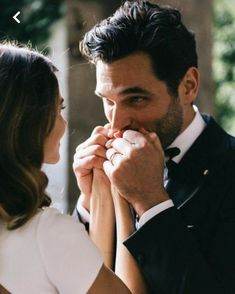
(51, 253)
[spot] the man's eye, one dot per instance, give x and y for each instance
(137, 100)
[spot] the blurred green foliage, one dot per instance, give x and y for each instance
(36, 18)
(224, 62)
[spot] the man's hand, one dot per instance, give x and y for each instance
(135, 167)
(89, 155)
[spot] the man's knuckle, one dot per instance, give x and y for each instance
(98, 148)
(92, 158)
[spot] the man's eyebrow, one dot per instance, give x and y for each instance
(132, 90)
(135, 90)
(61, 100)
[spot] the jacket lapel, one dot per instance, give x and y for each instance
(197, 164)
(184, 186)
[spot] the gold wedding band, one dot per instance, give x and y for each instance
(112, 157)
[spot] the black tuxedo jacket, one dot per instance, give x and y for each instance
(190, 248)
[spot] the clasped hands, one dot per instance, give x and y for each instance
(133, 162)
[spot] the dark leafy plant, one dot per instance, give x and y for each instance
(224, 62)
(36, 18)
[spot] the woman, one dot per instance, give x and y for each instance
(41, 250)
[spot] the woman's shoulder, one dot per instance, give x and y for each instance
(64, 243)
(51, 219)
(50, 213)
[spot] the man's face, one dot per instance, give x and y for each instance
(133, 97)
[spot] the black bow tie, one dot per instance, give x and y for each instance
(170, 164)
(171, 152)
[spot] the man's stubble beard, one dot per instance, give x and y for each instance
(170, 126)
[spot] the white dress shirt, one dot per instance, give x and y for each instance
(184, 141)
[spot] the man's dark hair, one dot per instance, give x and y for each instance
(140, 26)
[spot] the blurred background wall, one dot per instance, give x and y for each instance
(58, 173)
(56, 26)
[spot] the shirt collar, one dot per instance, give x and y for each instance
(185, 140)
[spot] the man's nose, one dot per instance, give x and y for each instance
(120, 119)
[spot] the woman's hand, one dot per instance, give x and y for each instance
(90, 155)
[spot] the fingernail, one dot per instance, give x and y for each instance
(110, 133)
(118, 134)
(143, 131)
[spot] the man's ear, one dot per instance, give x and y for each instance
(188, 87)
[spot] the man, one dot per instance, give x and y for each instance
(147, 78)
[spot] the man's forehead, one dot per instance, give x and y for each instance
(110, 71)
(110, 78)
(133, 71)
(133, 61)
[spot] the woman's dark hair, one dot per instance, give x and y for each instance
(139, 26)
(29, 97)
